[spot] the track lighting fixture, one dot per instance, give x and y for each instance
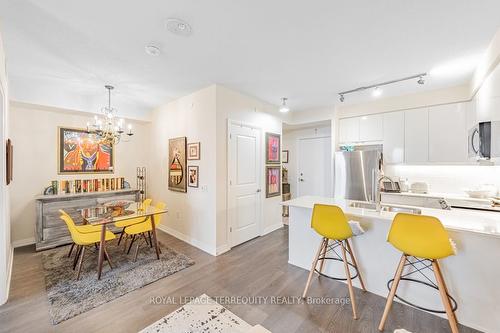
(377, 91)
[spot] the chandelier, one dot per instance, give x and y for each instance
(108, 127)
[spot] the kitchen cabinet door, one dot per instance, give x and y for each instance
(448, 133)
(394, 137)
(371, 128)
(417, 136)
(349, 130)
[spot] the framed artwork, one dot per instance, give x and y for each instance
(284, 156)
(272, 148)
(9, 161)
(193, 173)
(177, 164)
(273, 174)
(82, 152)
(193, 150)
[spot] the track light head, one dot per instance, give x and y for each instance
(421, 80)
(341, 98)
(284, 108)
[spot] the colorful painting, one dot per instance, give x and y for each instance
(193, 151)
(273, 181)
(193, 172)
(177, 164)
(272, 148)
(83, 152)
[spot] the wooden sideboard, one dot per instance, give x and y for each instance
(51, 231)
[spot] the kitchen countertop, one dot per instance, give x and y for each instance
(482, 222)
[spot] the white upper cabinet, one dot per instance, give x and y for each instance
(349, 130)
(394, 137)
(417, 136)
(448, 133)
(371, 128)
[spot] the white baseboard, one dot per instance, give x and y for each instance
(5, 296)
(196, 243)
(23, 242)
(223, 249)
(272, 228)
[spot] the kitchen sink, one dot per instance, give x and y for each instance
(364, 205)
(401, 209)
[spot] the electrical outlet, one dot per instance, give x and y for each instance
(204, 188)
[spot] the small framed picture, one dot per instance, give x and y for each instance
(273, 181)
(193, 172)
(284, 156)
(193, 151)
(273, 148)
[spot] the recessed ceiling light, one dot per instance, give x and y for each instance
(377, 92)
(152, 50)
(178, 27)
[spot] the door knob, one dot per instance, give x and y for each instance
(258, 190)
(301, 179)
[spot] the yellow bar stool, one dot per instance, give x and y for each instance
(423, 241)
(330, 222)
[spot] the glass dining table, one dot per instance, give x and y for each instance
(103, 215)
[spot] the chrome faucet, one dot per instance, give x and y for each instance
(378, 194)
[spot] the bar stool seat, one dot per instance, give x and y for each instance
(423, 241)
(331, 223)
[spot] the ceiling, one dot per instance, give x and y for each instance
(61, 53)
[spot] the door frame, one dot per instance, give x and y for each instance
(297, 158)
(229, 208)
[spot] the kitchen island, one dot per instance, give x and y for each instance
(472, 275)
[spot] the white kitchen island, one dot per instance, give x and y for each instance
(472, 276)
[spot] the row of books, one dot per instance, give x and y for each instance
(87, 185)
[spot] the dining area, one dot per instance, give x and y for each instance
(137, 220)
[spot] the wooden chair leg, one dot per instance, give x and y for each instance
(323, 255)
(145, 238)
(438, 265)
(80, 263)
(77, 255)
(313, 267)
(71, 249)
(444, 297)
(150, 240)
(131, 242)
(355, 262)
(108, 259)
(121, 236)
(349, 281)
(390, 297)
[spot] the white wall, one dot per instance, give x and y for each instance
(236, 106)
(290, 142)
(5, 241)
(34, 137)
(191, 215)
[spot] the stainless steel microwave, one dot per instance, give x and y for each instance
(484, 140)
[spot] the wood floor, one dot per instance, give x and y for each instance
(256, 268)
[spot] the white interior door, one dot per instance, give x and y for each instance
(245, 194)
(314, 166)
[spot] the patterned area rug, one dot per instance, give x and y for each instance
(69, 297)
(200, 315)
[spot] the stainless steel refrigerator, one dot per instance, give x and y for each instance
(357, 174)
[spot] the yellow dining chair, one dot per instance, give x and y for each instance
(423, 241)
(140, 229)
(86, 228)
(330, 222)
(122, 224)
(83, 239)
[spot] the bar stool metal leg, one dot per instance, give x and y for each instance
(313, 268)
(444, 297)
(390, 298)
